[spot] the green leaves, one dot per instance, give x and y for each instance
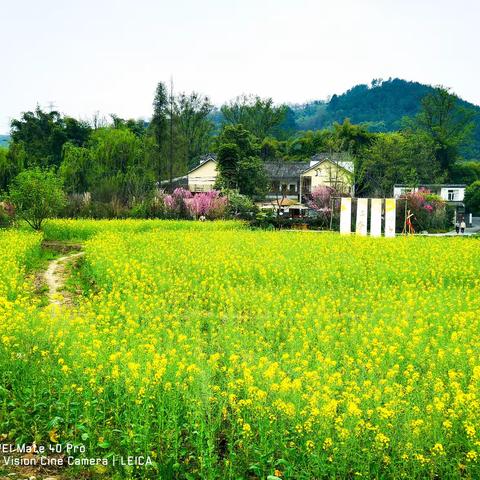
(259, 116)
(43, 134)
(447, 122)
(239, 163)
(36, 194)
(472, 197)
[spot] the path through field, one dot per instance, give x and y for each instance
(55, 278)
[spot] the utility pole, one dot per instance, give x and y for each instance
(171, 132)
(51, 106)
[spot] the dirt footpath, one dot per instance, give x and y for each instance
(55, 277)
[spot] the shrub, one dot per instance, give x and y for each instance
(151, 208)
(183, 204)
(175, 204)
(37, 194)
(429, 211)
(209, 204)
(240, 206)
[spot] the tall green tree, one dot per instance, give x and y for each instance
(350, 138)
(39, 136)
(259, 116)
(395, 158)
(465, 172)
(447, 123)
(306, 144)
(78, 168)
(287, 127)
(228, 159)
(194, 125)
(272, 149)
(472, 197)
(159, 127)
(115, 165)
(239, 163)
(4, 168)
(8, 169)
(121, 168)
(138, 127)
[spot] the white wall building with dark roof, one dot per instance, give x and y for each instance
(450, 192)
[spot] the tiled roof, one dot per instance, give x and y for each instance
(334, 157)
(282, 169)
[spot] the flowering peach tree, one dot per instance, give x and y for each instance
(320, 202)
(183, 204)
(428, 209)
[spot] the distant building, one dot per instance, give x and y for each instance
(332, 170)
(284, 178)
(202, 178)
(452, 193)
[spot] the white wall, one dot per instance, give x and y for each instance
(203, 178)
(459, 193)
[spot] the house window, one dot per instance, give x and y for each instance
(292, 187)
(452, 195)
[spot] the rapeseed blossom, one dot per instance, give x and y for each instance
(223, 351)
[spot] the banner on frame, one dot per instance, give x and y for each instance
(362, 216)
(376, 217)
(390, 216)
(346, 215)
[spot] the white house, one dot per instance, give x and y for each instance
(451, 193)
(334, 170)
(202, 178)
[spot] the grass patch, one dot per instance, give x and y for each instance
(79, 281)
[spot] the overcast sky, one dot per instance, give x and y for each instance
(108, 55)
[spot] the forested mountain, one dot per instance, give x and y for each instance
(380, 105)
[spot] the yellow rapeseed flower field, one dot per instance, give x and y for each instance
(229, 353)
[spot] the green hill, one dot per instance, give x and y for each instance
(381, 105)
(4, 139)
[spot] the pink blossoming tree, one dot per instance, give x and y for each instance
(182, 203)
(209, 204)
(320, 202)
(429, 210)
(176, 203)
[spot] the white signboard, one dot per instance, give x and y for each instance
(362, 216)
(346, 215)
(376, 217)
(390, 217)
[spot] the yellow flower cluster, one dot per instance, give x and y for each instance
(17, 250)
(223, 351)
